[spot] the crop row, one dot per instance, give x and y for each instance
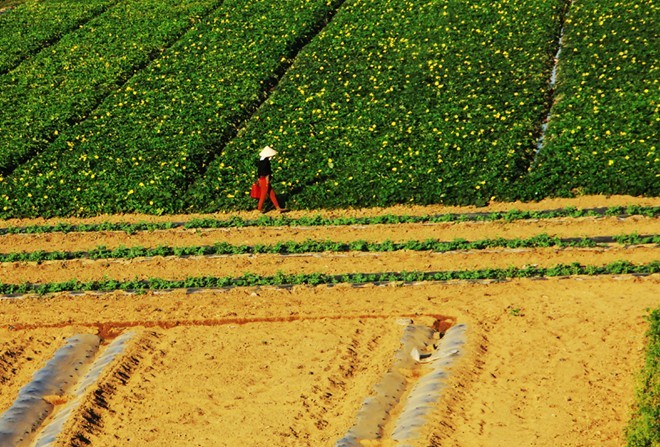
(61, 85)
(318, 220)
(603, 132)
(141, 148)
(281, 279)
(34, 25)
(316, 246)
(401, 101)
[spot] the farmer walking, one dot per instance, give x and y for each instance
(265, 172)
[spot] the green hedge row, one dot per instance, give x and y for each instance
(319, 246)
(603, 132)
(401, 101)
(35, 24)
(61, 85)
(140, 149)
(281, 279)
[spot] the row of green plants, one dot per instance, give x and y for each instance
(398, 102)
(320, 246)
(63, 84)
(282, 279)
(644, 427)
(139, 150)
(35, 24)
(319, 220)
(603, 132)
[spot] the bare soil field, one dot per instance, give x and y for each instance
(544, 361)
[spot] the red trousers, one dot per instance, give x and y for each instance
(266, 190)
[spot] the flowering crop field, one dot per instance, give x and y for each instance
(153, 107)
(149, 139)
(65, 82)
(38, 24)
(603, 133)
(404, 101)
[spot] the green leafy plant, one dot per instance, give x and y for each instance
(644, 427)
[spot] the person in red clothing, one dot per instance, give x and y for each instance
(265, 172)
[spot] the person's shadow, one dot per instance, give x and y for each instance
(285, 197)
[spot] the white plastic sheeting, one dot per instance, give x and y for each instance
(424, 395)
(422, 398)
(48, 435)
(30, 409)
(388, 392)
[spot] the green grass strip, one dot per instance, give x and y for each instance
(318, 220)
(644, 428)
(319, 246)
(282, 279)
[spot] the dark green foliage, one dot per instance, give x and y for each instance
(644, 427)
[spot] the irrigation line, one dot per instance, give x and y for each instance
(318, 220)
(552, 83)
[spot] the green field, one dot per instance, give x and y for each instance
(161, 106)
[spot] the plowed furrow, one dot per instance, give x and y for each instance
(129, 412)
(94, 410)
(563, 228)
(329, 263)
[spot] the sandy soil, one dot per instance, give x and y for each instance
(549, 362)
(398, 233)
(546, 362)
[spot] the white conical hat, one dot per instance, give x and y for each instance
(267, 152)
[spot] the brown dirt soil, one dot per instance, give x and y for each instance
(546, 362)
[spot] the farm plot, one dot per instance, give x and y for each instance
(603, 130)
(543, 359)
(399, 102)
(35, 25)
(61, 85)
(142, 147)
(224, 370)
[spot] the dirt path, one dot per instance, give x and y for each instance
(546, 204)
(546, 362)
